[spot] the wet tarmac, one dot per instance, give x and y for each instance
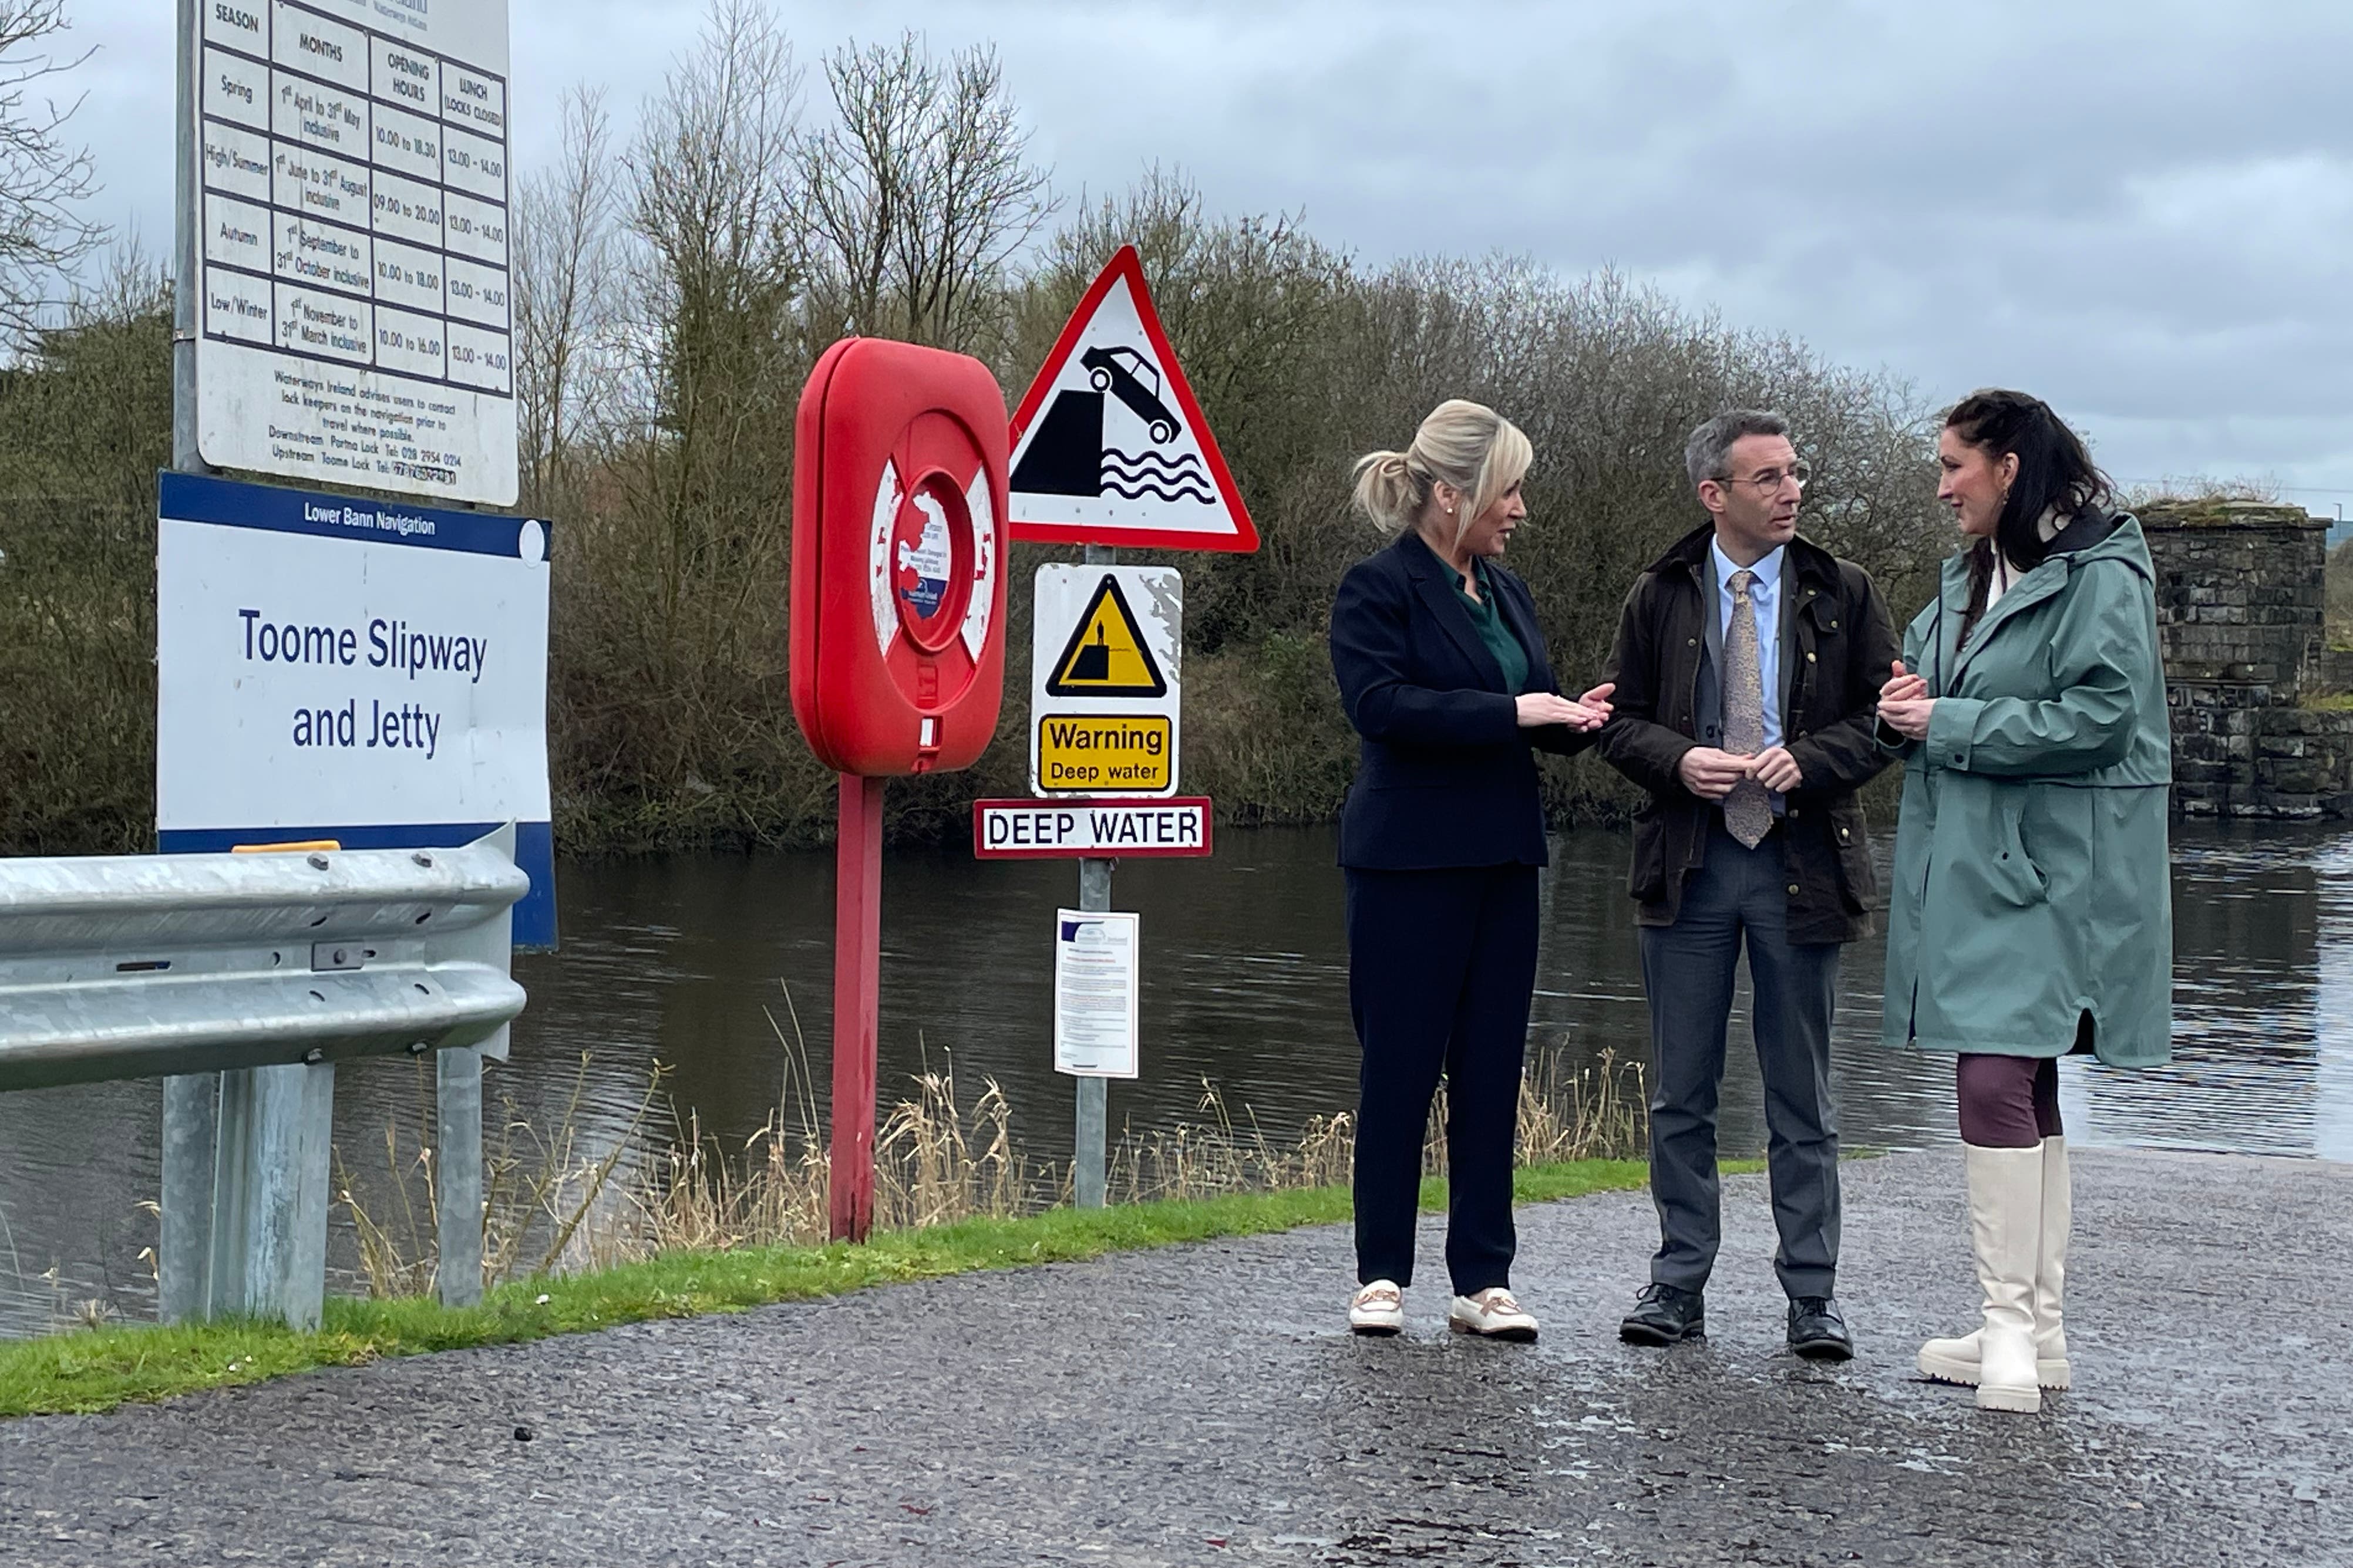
(1203, 1405)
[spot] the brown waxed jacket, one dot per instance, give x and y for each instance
(1837, 647)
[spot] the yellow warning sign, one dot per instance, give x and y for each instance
(1106, 656)
(1106, 752)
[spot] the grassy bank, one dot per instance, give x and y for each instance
(99, 1369)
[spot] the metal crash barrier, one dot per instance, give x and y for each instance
(242, 980)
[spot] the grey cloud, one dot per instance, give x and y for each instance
(2143, 211)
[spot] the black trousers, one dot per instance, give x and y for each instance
(1442, 968)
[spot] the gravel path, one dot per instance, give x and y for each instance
(1203, 1405)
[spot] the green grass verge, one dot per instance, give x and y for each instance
(95, 1370)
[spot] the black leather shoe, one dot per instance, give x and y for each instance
(1817, 1330)
(1663, 1315)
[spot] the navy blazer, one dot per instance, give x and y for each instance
(1445, 777)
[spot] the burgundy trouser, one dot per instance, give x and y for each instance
(2009, 1102)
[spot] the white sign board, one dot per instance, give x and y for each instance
(1043, 829)
(369, 673)
(1105, 651)
(355, 312)
(1108, 444)
(1095, 993)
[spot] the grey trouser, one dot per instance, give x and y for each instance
(1741, 896)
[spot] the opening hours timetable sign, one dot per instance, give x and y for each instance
(355, 322)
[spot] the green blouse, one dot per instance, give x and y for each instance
(1492, 629)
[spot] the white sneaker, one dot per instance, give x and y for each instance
(1378, 1309)
(1492, 1313)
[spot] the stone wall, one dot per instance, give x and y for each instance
(2330, 674)
(2241, 595)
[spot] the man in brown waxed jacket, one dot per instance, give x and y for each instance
(1749, 665)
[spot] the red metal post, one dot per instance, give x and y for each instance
(857, 1004)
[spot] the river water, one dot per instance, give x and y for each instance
(704, 962)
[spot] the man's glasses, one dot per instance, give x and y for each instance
(1767, 480)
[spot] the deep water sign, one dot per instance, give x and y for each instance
(366, 671)
(1111, 829)
(1104, 697)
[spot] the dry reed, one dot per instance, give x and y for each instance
(552, 1208)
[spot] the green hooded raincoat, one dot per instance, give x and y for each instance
(2031, 882)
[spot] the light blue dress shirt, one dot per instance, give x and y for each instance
(1765, 604)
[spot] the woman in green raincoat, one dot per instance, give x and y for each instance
(2031, 915)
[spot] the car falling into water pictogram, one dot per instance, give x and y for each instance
(1119, 370)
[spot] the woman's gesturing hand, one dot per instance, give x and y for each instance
(1905, 705)
(1539, 708)
(1902, 685)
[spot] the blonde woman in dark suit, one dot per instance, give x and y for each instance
(1443, 671)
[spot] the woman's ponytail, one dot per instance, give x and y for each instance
(1388, 492)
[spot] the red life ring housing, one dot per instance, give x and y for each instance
(899, 540)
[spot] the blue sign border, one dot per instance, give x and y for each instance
(322, 514)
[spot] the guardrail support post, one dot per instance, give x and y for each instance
(184, 1252)
(458, 1132)
(270, 1202)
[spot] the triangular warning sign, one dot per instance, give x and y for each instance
(1109, 446)
(1106, 656)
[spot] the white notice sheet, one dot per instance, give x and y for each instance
(1094, 994)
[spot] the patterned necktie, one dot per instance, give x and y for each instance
(1748, 813)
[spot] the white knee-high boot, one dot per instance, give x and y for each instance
(2006, 1234)
(2050, 1265)
(1956, 1360)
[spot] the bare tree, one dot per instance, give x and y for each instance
(566, 259)
(42, 178)
(919, 197)
(668, 665)
(713, 209)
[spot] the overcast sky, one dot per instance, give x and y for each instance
(2139, 210)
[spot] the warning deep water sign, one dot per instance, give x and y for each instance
(1107, 714)
(1106, 752)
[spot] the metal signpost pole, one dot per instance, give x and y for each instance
(1088, 1176)
(191, 1102)
(188, 178)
